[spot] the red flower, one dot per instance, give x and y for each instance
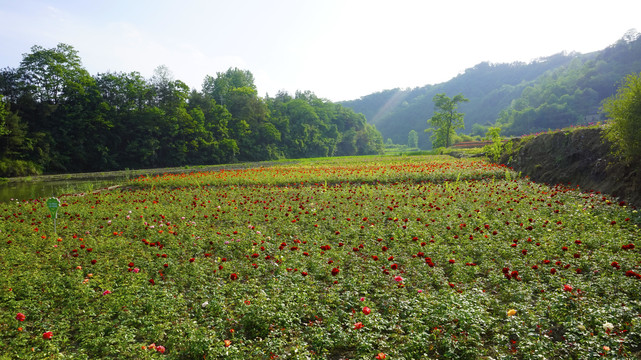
(452, 261)
(233, 276)
(160, 349)
(358, 325)
(567, 287)
(380, 356)
(47, 335)
(335, 271)
(366, 310)
(20, 317)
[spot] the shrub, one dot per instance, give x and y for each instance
(624, 110)
(13, 168)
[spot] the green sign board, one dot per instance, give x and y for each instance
(53, 205)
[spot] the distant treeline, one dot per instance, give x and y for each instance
(522, 98)
(56, 117)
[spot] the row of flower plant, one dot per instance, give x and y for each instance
(362, 258)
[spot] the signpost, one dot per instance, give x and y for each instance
(53, 204)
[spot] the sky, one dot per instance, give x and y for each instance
(338, 49)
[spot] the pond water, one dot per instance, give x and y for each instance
(26, 190)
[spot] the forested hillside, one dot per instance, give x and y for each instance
(56, 117)
(548, 93)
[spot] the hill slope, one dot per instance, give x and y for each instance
(561, 89)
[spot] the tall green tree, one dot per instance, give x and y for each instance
(624, 110)
(47, 72)
(412, 139)
(446, 119)
(220, 86)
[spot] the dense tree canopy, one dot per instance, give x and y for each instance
(56, 117)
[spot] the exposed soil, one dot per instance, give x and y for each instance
(578, 157)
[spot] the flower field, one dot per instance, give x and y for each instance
(356, 258)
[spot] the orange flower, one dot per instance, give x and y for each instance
(227, 343)
(380, 356)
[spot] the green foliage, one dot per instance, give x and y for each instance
(14, 168)
(445, 120)
(3, 115)
(624, 112)
(412, 139)
(572, 94)
(58, 118)
(493, 151)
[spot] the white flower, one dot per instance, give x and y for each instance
(205, 304)
(608, 327)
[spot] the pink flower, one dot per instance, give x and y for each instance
(398, 278)
(20, 317)
(47, 335)
(106, 292)
(160, 349)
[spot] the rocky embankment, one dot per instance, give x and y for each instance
(579, 157)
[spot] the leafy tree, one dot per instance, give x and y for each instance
(10, 86)
(493, 150)
(412, 139)
(624, 110)
(63, 119)
(446, 119)
(219, 87)
(46, 72)
(369, 141)
(3, 115)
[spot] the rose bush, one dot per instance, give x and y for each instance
(425, 253)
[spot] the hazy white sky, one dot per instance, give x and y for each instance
(338, 49)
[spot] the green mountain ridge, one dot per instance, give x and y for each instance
(550, 92)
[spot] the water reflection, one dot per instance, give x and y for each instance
(45, 189)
